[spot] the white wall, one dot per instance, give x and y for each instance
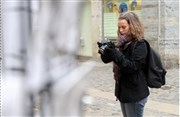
(86, 31)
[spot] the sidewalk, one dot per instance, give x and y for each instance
(162, 102)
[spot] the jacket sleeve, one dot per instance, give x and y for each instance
(131, 65)
(105, 58)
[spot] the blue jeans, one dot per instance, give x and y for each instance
(133, 109)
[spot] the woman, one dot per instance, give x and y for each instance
(129, 58)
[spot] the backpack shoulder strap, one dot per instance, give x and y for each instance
(147, 44)
(134, 45)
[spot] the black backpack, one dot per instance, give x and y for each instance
(155, 71)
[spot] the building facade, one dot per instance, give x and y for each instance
(160, 20)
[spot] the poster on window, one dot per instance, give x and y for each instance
(112, 10)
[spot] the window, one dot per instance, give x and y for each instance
(111, 12)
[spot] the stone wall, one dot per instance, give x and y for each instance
(96, 17)
(171, 28)
(162, 29)
(149, 19)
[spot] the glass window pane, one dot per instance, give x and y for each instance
(111, 12)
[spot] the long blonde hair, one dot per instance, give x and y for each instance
(136, 28)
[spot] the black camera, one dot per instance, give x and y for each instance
(105, 44)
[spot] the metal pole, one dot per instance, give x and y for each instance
(159, 23)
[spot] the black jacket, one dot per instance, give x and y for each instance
(132, 85)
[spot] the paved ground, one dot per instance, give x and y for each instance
(100, 99)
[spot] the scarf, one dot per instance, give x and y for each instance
(122, 42)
